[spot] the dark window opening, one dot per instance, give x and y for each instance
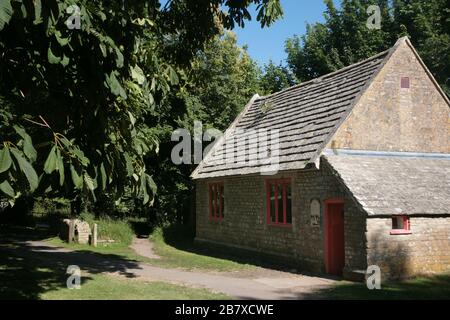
(400, 225)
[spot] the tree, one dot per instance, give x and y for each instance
(222, 78)
(427, 23)
(276, 78)
(344, 37)
(78, 103)
(341, 40)
(220, 81)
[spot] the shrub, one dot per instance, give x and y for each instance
(108, 228)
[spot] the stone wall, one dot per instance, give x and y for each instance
(245, 223)
(425, 251)
(389, 118)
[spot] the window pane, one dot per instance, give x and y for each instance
(213, 197)
(397, 223)
(288, 204)
(272, 203)
(211, 204)
(222, 201)
(217, 201)
(280, 204)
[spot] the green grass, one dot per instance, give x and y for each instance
(101, 287)
(119, 249)
(115, 229)
(30, 279)
(421, 288)
(174, 245)
(182, 253)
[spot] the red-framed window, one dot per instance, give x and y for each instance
(400, 225)
(279, 202)
(216, 201)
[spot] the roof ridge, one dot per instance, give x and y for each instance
(378, 55)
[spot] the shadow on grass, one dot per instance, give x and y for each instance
(182, 238)
(29, 267)
(421, 288)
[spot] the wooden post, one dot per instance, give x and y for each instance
(94, 235)
(71, 231)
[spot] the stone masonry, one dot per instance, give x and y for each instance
(425, 251)
(245, 223)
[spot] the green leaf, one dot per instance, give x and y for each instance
(151, 183)
(129, 164)
(76, 178)
(27, 169)
(103, 49)
(65, 142)
(7, 189)
(79, 154)
(89, 182)
(50, 164)
(28, 147)
(143, 190)
(62, 41)
(65, 61)
(60, 166)
(173, 76)
(103, 176)
(5, 13)
(137, 74)
(115, 86)
(5, 160)
(52, 58)
(119, 58)
(37, 11)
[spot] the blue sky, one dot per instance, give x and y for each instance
(268, 43)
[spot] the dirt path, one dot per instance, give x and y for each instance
(280, 286)
(143, 247)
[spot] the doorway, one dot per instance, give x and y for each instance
(334, 237)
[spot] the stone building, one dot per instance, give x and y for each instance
(359, 173)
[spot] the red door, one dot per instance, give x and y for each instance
(335, 259)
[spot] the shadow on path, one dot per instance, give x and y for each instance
(30, 268)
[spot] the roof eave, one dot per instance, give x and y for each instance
(195, 174)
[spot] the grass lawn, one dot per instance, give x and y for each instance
(422, 288)
(181, 252)
(178, 252)
(118, 249)
(29, 278)
(101, 287)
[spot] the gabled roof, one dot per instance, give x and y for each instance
(306, 115)
(389, 185)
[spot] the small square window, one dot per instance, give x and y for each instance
(400, 225)
(405, 83)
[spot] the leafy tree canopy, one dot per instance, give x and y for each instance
(344, 37)
(276, 78)
(78, 105)
(214, 89)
